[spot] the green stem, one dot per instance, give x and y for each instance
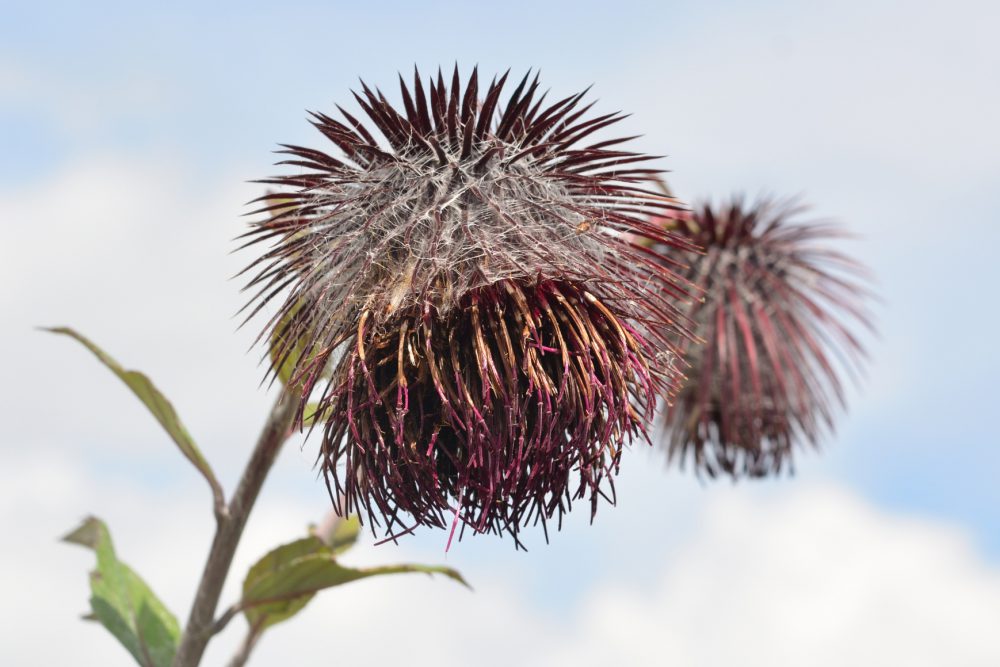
(246, 646)
(229, 529)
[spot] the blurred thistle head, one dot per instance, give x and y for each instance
(776, 319)
(480, 288)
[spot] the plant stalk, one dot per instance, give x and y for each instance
(246, 646)
(229, 528)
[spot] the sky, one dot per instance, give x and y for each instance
(128, 135)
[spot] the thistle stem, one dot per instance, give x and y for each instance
(246, 646)
(229, 528)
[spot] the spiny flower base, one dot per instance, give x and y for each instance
(775, 317)
(493, 415)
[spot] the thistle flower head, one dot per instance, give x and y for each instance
(776, 319)
(479, 285)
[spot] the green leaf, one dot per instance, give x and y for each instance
(157, 404)
(285, 355)
(281, 583)
(311, 414)
(287, 346)
(124, 604)
(338, 533)
(273, 566)
(345, 534)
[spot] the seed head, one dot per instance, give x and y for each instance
(776, 320)
(480, 288)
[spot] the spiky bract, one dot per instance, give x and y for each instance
(776, 319)
(481, 266)
(494, 404)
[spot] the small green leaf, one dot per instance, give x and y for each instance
(281, 583)
(338, 533)
(285, 354)
(345, 534)
(287, 346)
(270, 567)
(124, 604)
(311, 414)
(157, 404)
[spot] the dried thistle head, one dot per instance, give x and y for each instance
(480, 286)
(777, 316)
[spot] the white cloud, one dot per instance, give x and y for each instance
(815, 577)
(874, 95)
(134, 254)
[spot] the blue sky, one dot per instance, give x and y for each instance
(129, 131)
